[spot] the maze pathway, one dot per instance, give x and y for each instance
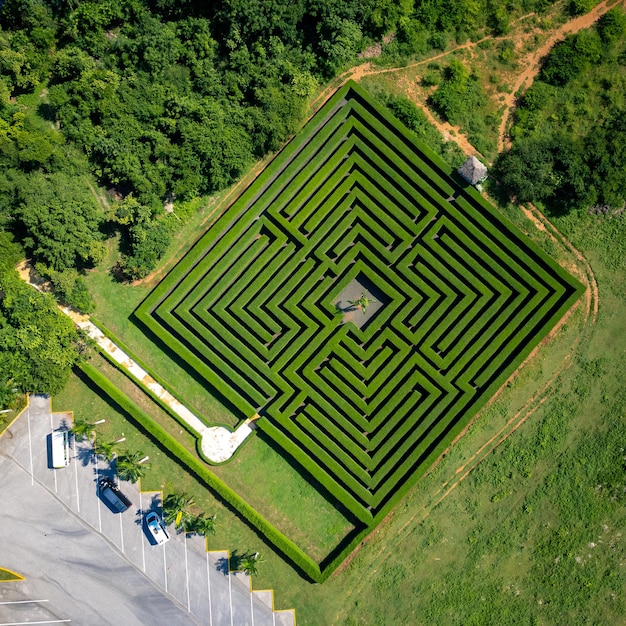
(353, 203)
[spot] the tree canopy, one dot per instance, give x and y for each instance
(569, 136)
(38, 344)
(111, 110)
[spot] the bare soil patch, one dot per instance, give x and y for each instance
(532, 62)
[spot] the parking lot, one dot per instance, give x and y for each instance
(87, 565)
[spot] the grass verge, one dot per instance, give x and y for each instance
(497, 533)
(8, 576)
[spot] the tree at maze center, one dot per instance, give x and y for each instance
(364, 408)
(363, 302)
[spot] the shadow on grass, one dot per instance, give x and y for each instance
(309, 478)
(359, 527)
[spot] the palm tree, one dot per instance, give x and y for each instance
(84, 429)
(363, 302)
(105, 449)
(203, 525)
(249, 562)
(132, 467)
(175, 508)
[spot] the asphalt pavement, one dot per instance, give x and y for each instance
(84, 564)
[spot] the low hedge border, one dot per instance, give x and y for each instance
(117, 341)
(284, 545)
(163, 404)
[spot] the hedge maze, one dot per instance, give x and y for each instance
(355, 205)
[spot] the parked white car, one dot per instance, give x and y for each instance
(157, 528)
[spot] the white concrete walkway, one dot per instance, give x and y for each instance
(218, 443)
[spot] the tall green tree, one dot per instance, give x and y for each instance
(105, 449)
(203, 524)
(131, 466)
(83, 429)
(60, 221)
(38, 344)
(176, 509)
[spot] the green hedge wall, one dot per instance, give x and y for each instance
(355, 202)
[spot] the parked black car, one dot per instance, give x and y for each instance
(112, 495)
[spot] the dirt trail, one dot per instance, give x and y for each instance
(366, 69)
(592, 295)
(533, 62)
(445, 128)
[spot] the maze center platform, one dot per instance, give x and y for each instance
(355, 205)
(360, 315)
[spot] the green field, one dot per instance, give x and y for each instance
(511, 542)
(364, 408)
(501, 547)
(262, 199)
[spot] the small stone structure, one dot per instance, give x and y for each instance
(473, 171)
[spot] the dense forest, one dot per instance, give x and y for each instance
(114, 114)
(170, 100)
(569, 135)
(38, 344)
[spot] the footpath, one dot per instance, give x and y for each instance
(218, 443)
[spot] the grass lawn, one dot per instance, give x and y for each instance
(292, 504)
(11, 414)
(115, 304)
(272, 486)
(530, 532)
(7, 575)
(512, 542)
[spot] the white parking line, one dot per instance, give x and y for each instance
(143, 547)
(251, 608)
(121, 532)
(208, 582)
(187, 574)
(30, 448)
(53, 621)
(76, 475)
(98, 495)
(164, 568)
(56, 490)
(22, 601)
(230, 599)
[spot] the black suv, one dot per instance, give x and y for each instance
(112, 495)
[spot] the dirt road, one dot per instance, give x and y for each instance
(532, 62)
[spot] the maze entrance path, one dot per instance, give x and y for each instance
(355, 205)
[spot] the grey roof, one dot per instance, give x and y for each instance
(473, 171)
